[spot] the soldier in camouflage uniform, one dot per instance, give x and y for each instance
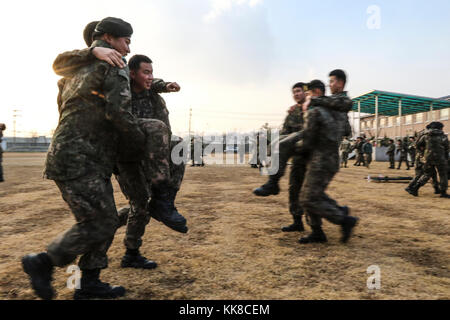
(325, 125)
(402, 148)
(391, 154)
(436, 157)
(161, 177)
(292, 125)
(345, 149)
(412, 150)
(96, 130)
(359, 152)
(420, 154)
(2, 128)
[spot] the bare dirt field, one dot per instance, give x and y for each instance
(235, 248)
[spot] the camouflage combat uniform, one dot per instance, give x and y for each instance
(325, 125)
(292, 125)
(391, 153)
(95, 131)
(420, 163)
(345, 149)
(436, 146)
(412, 152)
(403, 150)
(359, 153)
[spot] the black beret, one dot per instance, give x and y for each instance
(115, 27)
(89, 32)
(316, 84)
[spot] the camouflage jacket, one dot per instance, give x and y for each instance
(96, 127)
(391, 150)
(436, 147)
(346, 146)
(68, 63)
(294, 120)
(148, 104)
(326, 124)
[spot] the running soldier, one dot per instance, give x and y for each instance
(402, 148)
(345, 149)
(391, 154)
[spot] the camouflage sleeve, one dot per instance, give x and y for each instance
(61, 84)
(118, 110)
(67, 63)
(421, 143)
(285, 130)
(446, 147)
(348, 129)
(159, 86)
(339, 102)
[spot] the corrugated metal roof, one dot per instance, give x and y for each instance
(388, 103)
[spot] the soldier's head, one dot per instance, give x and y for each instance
(116, 32)
(298, 92)
(316, 88)
(141, 73)
(412, 139)
(2, 127)
(435, 126)
(88, 32)
(391, 141)
(338, 79)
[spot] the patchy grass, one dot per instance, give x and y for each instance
(235, 249)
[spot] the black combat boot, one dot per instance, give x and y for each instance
(317, 236)
(134, 259)
(162, 208)
(413, 190)
(445, 195)
(347, 227)
(437, 190)
(39, 268)
(271, 188)
(297, 226)
(93, 288)
(345, 210)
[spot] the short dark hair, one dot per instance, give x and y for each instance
(136, 60)
(339, 74)
(317, 84)
(300, 85)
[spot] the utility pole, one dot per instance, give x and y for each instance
(190, 122)
(15, 115)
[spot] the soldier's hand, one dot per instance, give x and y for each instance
(173, 87)
(110, 56)
(306, 104)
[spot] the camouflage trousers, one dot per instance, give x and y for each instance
(429, 170)
(367, 159)
(344, 158)
(92, 203)
(288, 150)
(137, 179)
(403, 158)
(360, 159)
(392, 160)
(420, 172)
(317, 204)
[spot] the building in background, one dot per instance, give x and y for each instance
(396, 115)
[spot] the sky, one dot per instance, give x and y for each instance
(236, 60)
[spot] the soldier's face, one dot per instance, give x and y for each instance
(298, 95)
(143, 77)
(122, 45)
(336, 85)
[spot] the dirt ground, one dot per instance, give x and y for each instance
(235, 248)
